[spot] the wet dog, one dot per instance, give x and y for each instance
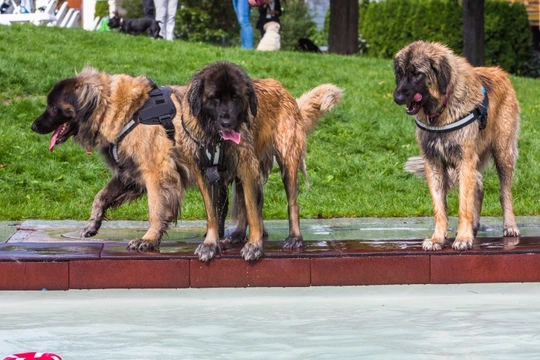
(136, 26)
(464, 116)
(107, 113)
(235, 126)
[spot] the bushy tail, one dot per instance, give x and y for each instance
(415, 165)
(316, 102)
(313, 105)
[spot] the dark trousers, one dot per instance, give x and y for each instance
(149, 8)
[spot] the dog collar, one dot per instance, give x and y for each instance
(479, 113)
(157, 110)
(438, 113)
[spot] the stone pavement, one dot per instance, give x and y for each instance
(36, 254)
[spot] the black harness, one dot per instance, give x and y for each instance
(479, 113)
(157, 110)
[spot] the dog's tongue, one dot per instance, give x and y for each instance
(54, 137)
(417, 97)
(231, 135)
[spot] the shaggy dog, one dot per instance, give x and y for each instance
(97, 110)
(271, 41)
(235, 126)
(464, 117)
(136, 26)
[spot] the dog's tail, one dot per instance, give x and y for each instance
(415, 165)
(316, 102)
(313, 105)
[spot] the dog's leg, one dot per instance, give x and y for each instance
(289, 174)
(253, 249)
(478, 200)
(435, 176)
(113, 194)
(467, 198)
(505, 160)
(239, 215)
(220, 200)
(479, 195)
(210, 246)
(164, 197)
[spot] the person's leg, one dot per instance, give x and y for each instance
(149, 8)
(161, 16)
(246, 32)
(171, 17)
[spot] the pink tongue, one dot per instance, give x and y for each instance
(417, 97)
(231, 135)
(54, 137)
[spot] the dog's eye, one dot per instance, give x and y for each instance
(417, 75)
(53, 110)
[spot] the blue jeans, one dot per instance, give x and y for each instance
(242, 10)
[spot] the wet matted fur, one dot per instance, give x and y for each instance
(440, 88)
(251, 122)
(93, 108)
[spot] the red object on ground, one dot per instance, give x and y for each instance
(33, 355)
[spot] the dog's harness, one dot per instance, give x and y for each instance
(479, 113)
(211, 156)
(157, 110)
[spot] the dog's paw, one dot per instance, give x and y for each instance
(143, 245)
(293, 242)
(463, 243)
(511, 231)
(433, 244)
(251, 252)
(89, 230)
(206, 252)
(237, 237)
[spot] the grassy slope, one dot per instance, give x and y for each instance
(355, 156)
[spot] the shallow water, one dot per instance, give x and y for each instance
(495, 321)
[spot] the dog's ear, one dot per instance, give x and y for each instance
(88, 90)
(195, 94)
(443, 73)
(252, 98)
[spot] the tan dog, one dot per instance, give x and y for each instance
(96, 108)
(464, 116)
(235, 126)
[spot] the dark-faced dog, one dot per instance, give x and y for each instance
(464, 116)
(96, 109)
(235, 126)
(136, 26)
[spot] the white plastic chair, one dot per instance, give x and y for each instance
(66, 17)
(73, 21)
(37, 18)
(60, 14)
(49, 13)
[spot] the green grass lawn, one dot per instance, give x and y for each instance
(355, 156)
